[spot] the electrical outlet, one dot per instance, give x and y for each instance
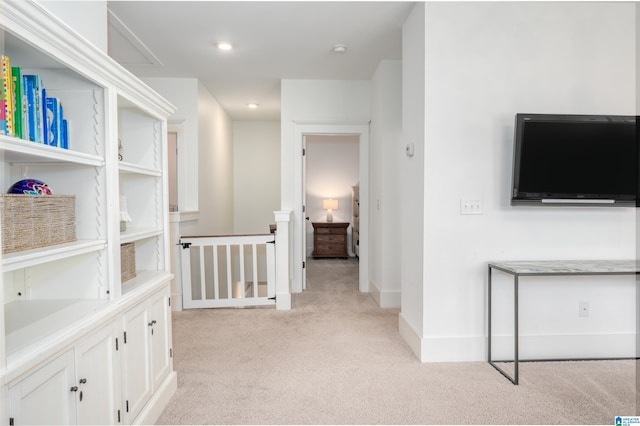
(583, 309)
(470, 206)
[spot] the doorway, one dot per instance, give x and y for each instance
(302, 132)
(332, 173)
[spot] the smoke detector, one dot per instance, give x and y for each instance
(340, 48)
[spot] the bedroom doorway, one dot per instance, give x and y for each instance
(332, 167)
(360, 132)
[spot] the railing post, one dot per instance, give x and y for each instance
(283, 259)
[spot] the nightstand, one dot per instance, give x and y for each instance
(330, 239)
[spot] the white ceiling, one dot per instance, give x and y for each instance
(273, 41)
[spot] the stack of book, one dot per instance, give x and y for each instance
(25, 110)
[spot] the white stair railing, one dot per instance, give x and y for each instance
(228, 271)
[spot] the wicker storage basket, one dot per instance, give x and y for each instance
(127, 261)
(30, 222)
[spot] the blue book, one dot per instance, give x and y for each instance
(65, 134)
(32, 112)
(43, 110)
(54, 122)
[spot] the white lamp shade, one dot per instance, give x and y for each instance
(330, 204)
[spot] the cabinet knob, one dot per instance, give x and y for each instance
(82, 381)
(74, 389)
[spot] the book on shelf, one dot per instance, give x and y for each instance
(19, 104)
(36, 112)
(6, 98)
(26, 111)
(29, 87)
(65, 134)
(54, 122)
(43, 111)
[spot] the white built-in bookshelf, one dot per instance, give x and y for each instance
(79, 345)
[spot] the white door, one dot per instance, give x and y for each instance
(305, 216)
(96, 378)
(136, 378)
(160, 336)
(46, 396)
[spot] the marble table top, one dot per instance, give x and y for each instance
(568, 267)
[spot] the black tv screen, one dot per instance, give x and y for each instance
(575, 160)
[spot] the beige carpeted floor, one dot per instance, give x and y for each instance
(336, 358)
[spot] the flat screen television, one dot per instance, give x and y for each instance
(575, 160)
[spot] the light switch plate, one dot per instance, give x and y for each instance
(470, 206)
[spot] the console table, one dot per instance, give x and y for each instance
(548, 268)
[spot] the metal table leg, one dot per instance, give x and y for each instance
(515, 377)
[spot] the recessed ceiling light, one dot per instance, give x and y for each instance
(340, 48)
(223, 45)
(252, 106)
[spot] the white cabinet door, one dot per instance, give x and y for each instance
(97, 373)
(46, 396)
(136, 379)
(160, 336)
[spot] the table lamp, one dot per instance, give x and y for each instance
(330, 205)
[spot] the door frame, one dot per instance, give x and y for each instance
(302, 129)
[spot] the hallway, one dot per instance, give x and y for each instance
(336, 358)
(333, 284)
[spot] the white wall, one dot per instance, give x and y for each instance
(411, 177)
(87, 18)
(209, 164)
(333, 167)
(484, 63)
(215, 168)
(256, 175)
(183, 93)
(313, 101)
(387, 152)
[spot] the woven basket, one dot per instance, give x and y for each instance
(127, 261)
(30, 222)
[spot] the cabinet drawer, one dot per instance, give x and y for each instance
(330, 238)
(331, 231)
(333, 249)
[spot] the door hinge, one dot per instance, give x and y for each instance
(127, 403)
(116, 343)
(304, 208)
(10, 421)
(170, 353)
(304, 264)
(118, 416)
(169, 301)
(304, 152)
(125, 337)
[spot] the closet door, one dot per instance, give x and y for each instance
(46, 396)
(97, 378)
(160, 336)
(136, 380)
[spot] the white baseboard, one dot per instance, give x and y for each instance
(454, 349)
(384, 299)
(410, 336)
(283, 302)
(176, 302)
(572, 346)
(159, 400)
(474, 348)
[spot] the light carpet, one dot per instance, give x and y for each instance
(336, 358)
